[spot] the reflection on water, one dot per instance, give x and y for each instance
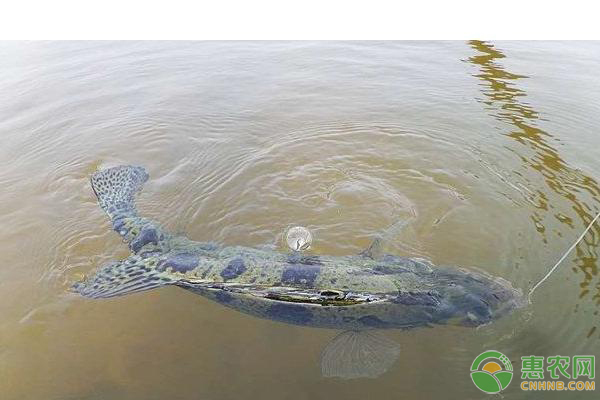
(506, 102)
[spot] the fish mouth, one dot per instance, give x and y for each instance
(322, 297)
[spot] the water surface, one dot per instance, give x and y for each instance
(492, 146)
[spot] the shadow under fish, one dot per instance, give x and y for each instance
(360, 294)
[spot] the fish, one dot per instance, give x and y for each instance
(360, 294)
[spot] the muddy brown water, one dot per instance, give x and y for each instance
(493, 146)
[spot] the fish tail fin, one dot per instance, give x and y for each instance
(116, 187)
(118, 278)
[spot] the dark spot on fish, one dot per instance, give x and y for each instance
(292, 313)
(418, 298)
(146, 236)
(118, 224)
(300, 274)
(234, 269)
(223, 297)
(181, 262)
(372, 321)
(333, 281)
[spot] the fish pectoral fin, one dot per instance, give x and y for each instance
(118, 278)
(358, 354)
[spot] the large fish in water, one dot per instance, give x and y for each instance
(358, 294)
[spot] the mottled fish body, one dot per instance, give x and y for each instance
(351, 292)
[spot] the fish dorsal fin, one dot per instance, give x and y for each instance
(358, 354)
(118, 278)
(374, 249)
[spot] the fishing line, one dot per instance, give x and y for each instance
(563, 257)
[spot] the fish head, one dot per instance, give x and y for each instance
(472, 297)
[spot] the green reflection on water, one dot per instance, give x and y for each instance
(504, 101)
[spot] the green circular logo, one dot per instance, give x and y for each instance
(491, 371)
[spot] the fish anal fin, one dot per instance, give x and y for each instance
(358, 354)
